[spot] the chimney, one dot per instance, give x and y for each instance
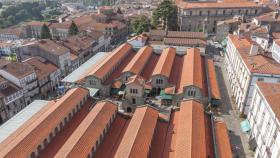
(254, 49)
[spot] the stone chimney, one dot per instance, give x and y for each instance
(254, 49)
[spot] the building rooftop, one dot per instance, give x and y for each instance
(83, 138)
(216, 4)
(42, 67)
(107, 64)
(83, 70)
(20, 118)
(23, 141)
(271, 92)
(52, 47)
(214, 87)
(138, 62)
(139, 134)
(164, 64)
(78, 43)
(223, 143)
(18, 69)
(255, 63)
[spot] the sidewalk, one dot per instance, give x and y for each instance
(239, 140)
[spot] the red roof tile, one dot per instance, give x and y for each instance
(150, 66)
(107, 65)
(86, 135)
(139, 61)
(139, 134)
(164, 65)
(214, 87)
(24, 143)
(190, 139)
(223, 143)
(193, 65)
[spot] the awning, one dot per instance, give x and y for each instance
(147, 91)
(245, 126)
(165, 96)
(121, 92)
(93, 91)
(224, 43)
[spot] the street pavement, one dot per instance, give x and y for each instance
(227, 112)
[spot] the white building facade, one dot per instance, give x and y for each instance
(264, 120)
(245, 66)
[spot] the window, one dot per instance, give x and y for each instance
(256, 11)
(224, 12)
(159, 81)
(133, 91)
(190, 13)
(246, 12)
(200, 13)
(260, 79)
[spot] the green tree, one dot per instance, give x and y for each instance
(45, 32)
(73, 29)
(141, 24)
(166, 14)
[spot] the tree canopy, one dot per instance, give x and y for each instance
(45, 32)
(166, 14)
(73, 29)
(141, 24)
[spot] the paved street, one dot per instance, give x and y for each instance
(239, 140)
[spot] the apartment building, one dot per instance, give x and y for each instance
(275, 49)
(48, 49)
(48, 75)
(264, 119)
(24, 76)
(245, 65)
(204, 15)
(11, 99)
(12, 33)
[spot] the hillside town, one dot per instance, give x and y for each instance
(140, 79)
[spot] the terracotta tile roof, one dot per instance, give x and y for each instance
(277, 41)
(159, 140)
(150, 66)
(37, 23)
(157, 33)
(107, 65)
(176, 72)
(275, 35)
(185, 34)
(255, 63)
(184, 42)
(52, 47)
(214, 87)
(222, 138)
(116, 84)
(87, 134)
(139, 61)
(24, 143)
(164, 64)
(139, 134)
(42, 67)
(78, 43)
(10, 89)
(113, 138)
(190, 139)
(54, 146)
(193, 65)
(18, 69)
(271, 92)
(118, 71)
(136, 79)
(216, 4)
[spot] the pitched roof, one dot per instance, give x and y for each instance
(222, 138)
(164, 64)
(216, 4)
(52, 47)
(255, 63)
(190, 139)
(193, 66)
(136, 79)
(184, 42)
(185, 34)
(138, 62)
(139, 133)
(24, 143)
(42, 67)
(85, 137)
(271, 92)
(18, 69)
(214, 87)
(107, 65)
